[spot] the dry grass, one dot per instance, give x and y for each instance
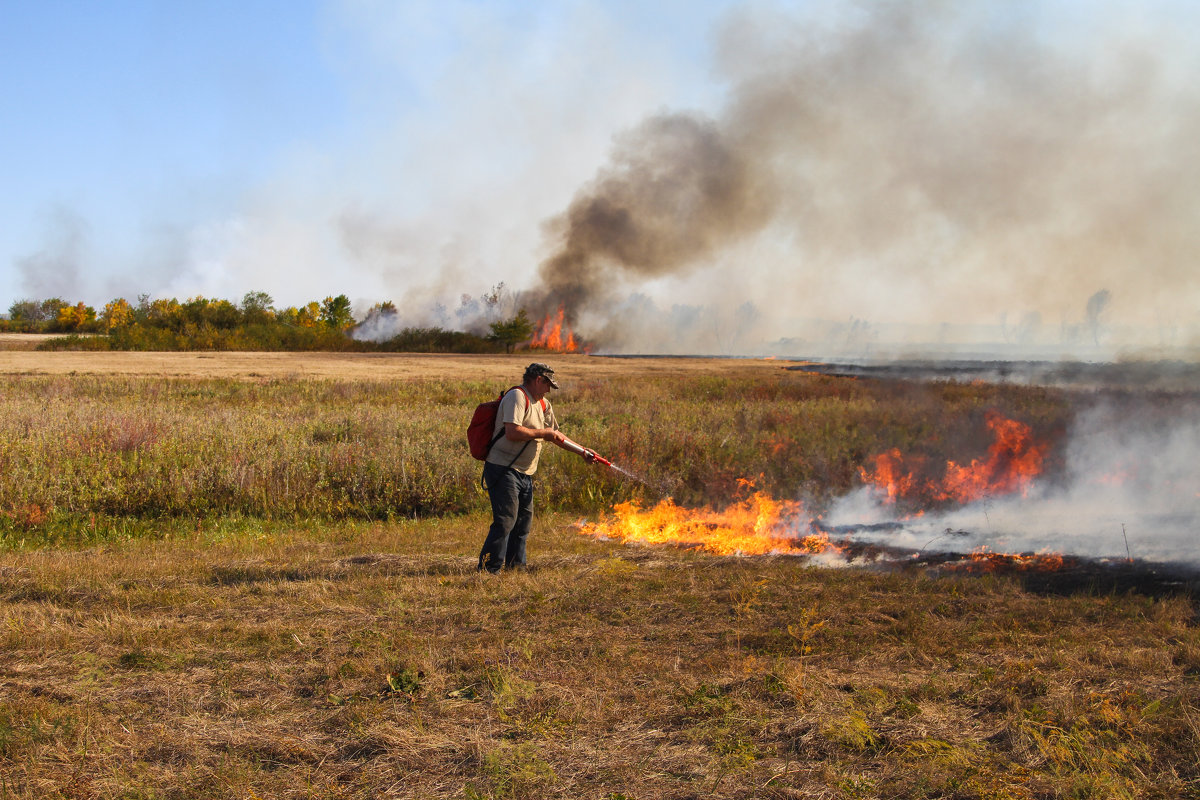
(359, 366)
(89, 456)
(229, 656)
(366, 661)
(23, 341)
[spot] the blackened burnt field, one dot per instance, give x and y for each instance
(257, 582)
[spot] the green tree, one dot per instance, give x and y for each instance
(335, 312)
(163, 313)
(222, 314)
(25, 311)
(34, 312)
(511, 332)
(51, 307)
(257, 308)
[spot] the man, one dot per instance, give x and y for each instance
(526, 420)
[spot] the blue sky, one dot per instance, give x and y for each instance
(136, 130)
(927, 162)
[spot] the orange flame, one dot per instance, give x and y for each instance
(762, 525)
(1014, 459)
(759, 525)
(552, 335)
(985, 560)
(890, 475)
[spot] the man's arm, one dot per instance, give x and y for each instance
(519, 433)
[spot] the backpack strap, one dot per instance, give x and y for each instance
(529, 399)
(496, 438)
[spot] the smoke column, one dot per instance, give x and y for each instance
(913, 161)
(677, 189)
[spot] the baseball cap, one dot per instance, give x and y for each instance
(538, 368)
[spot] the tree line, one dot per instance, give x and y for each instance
(201, 323)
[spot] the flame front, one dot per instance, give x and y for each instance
(759, 525)
(1014, 459)
(553, 335)
(762, 525)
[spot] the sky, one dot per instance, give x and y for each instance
(710, 176)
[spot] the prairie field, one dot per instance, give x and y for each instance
(252, 576)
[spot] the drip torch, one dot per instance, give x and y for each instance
(579, 449)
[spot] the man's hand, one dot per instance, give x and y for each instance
(554, 437)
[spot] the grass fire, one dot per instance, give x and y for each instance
(553, 335)
(253, 576)
(765, 525)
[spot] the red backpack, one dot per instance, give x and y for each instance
(480, 437)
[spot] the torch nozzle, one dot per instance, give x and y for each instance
(579, 449)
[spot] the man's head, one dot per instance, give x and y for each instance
(539, 370)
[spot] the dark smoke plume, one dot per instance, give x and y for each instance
(676, 189)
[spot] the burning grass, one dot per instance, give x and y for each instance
(97, 454)
(368, 660)
(758, 525)
(554, 335)
(269, 592)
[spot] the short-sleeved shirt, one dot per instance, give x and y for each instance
(515, 407)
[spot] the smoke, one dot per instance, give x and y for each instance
(473, 314)
(1095, 307)
(902, 162)
(636, 324)
(1129, 489)
(54, 271)
(857, 174)
(676, 189)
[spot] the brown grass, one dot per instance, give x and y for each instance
(371, 661)
(356, 366)
(95, 450)
(23, 341)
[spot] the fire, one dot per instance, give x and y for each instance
(1014, 460)
(759, 525)
(985, 560)
(890, 475)
(552, 335)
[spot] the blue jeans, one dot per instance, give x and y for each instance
(511, 493)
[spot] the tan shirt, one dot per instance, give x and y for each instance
(515, 407)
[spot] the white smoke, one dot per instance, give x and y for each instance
(56, 269)
(1131, 488)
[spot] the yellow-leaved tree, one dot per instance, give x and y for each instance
(117, 314)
